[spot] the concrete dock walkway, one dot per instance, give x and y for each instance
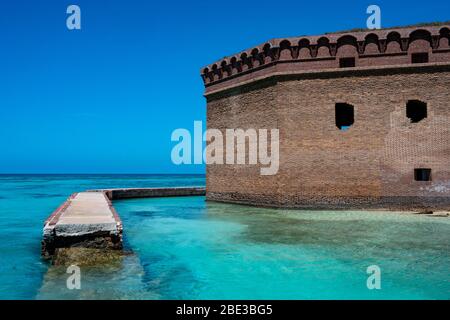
(86, 219)
(89, 220)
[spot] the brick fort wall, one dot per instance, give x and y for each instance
(369, 165)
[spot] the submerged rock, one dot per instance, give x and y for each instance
(87, 256)
(440, 214)
(103, 275)
(424, 212)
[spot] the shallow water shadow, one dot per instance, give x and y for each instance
(112, 276)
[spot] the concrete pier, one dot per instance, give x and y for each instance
(89, 220)
(85, 219)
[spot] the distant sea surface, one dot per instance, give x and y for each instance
(185, 248)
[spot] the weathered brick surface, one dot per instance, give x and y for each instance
(369, 166)
(231, 182)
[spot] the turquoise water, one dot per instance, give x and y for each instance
(184, 248)
(27, 200)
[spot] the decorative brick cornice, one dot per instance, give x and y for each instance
(312, 52)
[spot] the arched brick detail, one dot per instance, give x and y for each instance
(420, 34)
(319, 51)
(347, 46)
(393, 42)
(371, 44)
(323, 47)
(285, 50)
(444, 37)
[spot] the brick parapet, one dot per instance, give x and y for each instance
(313, 54)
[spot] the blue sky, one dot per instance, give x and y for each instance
(106, 99)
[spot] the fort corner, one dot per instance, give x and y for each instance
(363, 118)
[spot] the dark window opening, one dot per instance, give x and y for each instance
(419, 57)
(345, 116)
(422, 174)
(346, 62)
(416, 110)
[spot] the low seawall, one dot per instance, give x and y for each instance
(400, 203)
(130, 193)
